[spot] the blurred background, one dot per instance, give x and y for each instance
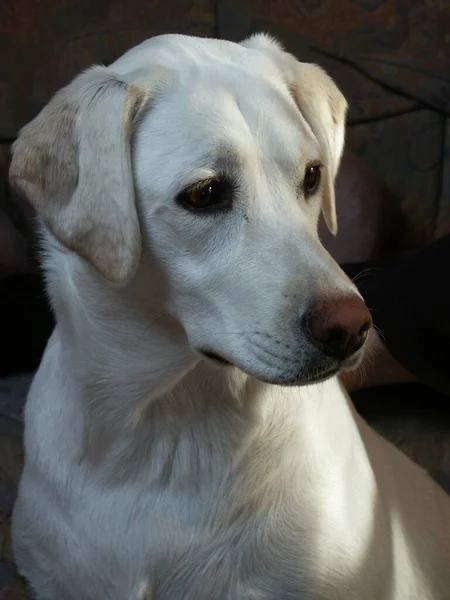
(391, 59)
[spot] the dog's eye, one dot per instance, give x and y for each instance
(311, 180)
(207, 195)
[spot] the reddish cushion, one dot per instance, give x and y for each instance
(361, 207)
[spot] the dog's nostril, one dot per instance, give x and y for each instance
(365, 328)
(335, 335)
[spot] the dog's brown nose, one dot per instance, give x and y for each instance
(338, 325)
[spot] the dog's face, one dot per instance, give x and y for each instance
(227, 153)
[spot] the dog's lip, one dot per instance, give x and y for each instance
(209, 354)
(299, 381)
(325, 374)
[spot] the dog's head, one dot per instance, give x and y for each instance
(213, 159)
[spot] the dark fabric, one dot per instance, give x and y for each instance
(409, 299)
(415, 417)
(26, 323)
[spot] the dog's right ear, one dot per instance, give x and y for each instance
(322, 105)
(73, 163)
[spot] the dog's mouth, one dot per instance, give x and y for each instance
(215, 358)
(297, 380)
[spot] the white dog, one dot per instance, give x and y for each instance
(170, 452)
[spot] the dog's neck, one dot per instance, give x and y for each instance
(143, 387)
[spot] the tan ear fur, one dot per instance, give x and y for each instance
(323, 106)
(73, 163)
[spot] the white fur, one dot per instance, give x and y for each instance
(150, 472)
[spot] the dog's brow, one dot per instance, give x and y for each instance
(228, 162)
(227, 158)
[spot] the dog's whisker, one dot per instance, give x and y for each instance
(380, 333)
(362, 274)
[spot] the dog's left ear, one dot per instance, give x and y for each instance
(322, 105)
(73, 163)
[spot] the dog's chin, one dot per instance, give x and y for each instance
(316, 373)
(317, 369)
(301, 379)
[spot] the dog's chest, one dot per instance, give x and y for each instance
(184, 553)
(258, 561)
(174, 517)
(182, 558)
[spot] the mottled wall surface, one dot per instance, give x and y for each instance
(44, 44)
